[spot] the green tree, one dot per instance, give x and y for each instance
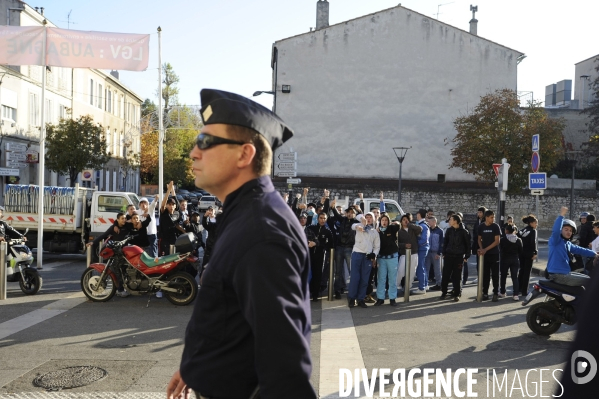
(591, 148)
(73, 145)
(170, 91)
(147, 108)
(498, 128)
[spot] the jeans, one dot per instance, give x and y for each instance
(401, 270)
(341, 254)
(359, 275)
(511, 264)
(435, 263)
(422, 275)
(491, 269)
(152, 249)
(387, 269)
(317, 260)
(572, 279)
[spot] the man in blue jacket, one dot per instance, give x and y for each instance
(558, 264)
(423, 247)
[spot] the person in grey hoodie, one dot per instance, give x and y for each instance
(510, 248)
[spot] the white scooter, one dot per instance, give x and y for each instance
(18, 266)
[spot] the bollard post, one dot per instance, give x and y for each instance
(3, 270)
(331, 264)
(172, 249)
(481, 267)
(89, 255)
(408, 277)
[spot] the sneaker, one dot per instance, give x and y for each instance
(369, 299)
(351, 302)
(379, 302)
(419, 292)
(456, 299)
(443, 297)
(362, 304)
(485, 297)
(392, 302)
(475, 281)
(159, 294)
(122, 294)
(495, 299)
(337, 295)
(501, 295)
(435, 288)
(516, 297)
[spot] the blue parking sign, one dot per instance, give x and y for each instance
(535, 143)
(537, 181)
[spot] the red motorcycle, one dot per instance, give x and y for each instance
(141, 274)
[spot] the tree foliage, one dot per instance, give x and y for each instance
(74, 145)
(170, 91)
(591, 148)
(498, 128)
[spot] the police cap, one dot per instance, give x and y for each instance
(232, 109)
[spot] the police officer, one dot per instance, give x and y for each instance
(249, 334)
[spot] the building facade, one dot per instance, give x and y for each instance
(69, 93)
(395, 78)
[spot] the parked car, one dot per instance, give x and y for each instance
(194, 198)
(207, 201)
(184, 194)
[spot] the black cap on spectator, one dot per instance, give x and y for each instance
(232, 109)
(311, 204)
(303, 215)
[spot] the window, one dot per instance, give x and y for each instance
(109, 203)
(9, 113)
(115, 144)
(108, 100)
(108, 140)
(34, 109)
(62, 111)
(114, 97)
(119, 106)
(100, 103)
(48, 114)
(91, 92)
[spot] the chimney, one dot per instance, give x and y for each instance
(322, 14)
(115, 74)
(473, 21)
(42, 10)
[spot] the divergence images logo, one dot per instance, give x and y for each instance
(583, 363)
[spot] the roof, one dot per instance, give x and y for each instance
(407, 9)
(580, 62)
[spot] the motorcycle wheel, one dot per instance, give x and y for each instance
(31, 282)
(187, 289)
(103, 291)
(541, 325)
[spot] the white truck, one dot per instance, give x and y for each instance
(72, 215)
(392, 208)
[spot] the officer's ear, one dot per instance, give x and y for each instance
(246, 155)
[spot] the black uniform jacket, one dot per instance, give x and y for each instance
(251, 321)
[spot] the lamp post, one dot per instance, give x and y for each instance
(572, 183)
(274, 109)
(400, 153)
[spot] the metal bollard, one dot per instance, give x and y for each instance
(89, 255)
(3, 270)
(172, 249)
(481, 267)
(332, 255)
(408, 277)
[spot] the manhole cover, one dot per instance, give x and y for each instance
(69, 377)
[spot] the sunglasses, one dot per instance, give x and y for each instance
(205, 141)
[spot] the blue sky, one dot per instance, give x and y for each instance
(226, 44)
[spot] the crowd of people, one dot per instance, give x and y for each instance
(372, 248)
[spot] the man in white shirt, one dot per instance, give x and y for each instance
(366, 248)
(144, 208)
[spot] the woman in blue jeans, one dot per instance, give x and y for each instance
(387, 261)
(558, 264)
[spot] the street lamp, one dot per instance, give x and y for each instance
(572, 183)
(274, 109)
(400, 153)
(257, 93)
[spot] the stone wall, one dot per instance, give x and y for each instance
(465, 202)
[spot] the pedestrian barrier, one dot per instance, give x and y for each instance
(89, 255)
(408, 277)
(331, 265)
(481, 267)
(24, 198)
(3, 247)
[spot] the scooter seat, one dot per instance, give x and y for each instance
(150, 262)
(563, 288)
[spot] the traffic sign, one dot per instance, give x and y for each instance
(9, 172)
(287, 165)
(15, 164)
(496, 167)
(535, 162)
(287, 173)
(537, 181)
(287, 156)
(294, 181)
(16, 156)
(537, 192)
(535, 143)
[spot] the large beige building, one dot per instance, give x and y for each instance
(70, 92)
(395, 78)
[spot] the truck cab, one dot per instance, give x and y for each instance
(104, 207)
(392, 208)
